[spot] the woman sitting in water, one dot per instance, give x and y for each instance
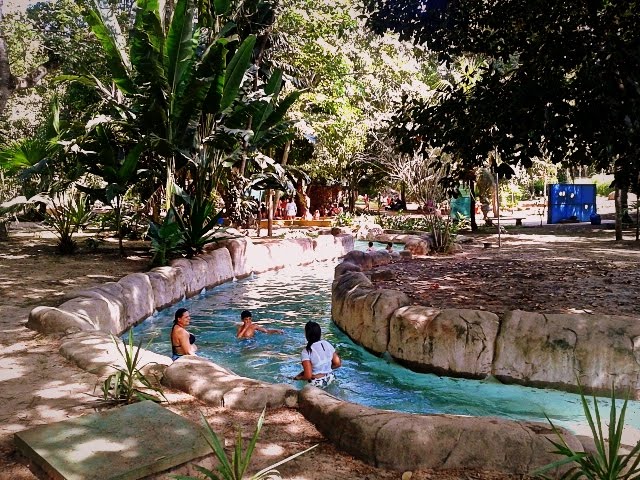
(319, 358)
(182, 342)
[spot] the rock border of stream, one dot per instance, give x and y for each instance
(398, 441)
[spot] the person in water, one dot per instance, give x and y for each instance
(247, 328)
(182, 342)
(319, 358)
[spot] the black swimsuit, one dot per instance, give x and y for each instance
(174, 353)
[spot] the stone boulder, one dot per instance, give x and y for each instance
(362, 259)
(192, 282)
(50, 320)
(453, 342)
(364, 312)
(239, 250)
(219, 267)
(168, 285)
(383, 274)
(345, 243)
(138, 298)
(402, 441)
(97, 353)
(219, 387)
(344, 267)
(417, 245)
(554, 350)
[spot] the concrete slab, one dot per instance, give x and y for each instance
(125, 443)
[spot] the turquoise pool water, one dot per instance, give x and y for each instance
(288, 298)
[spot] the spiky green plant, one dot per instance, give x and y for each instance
(608, 462)
(234, 466)
(129, 384)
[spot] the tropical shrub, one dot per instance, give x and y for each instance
(342, 220)
(67, 214)
(129, 384)
(609, 461)
(444, 230)
(603, 189)
(402, 222)
(166, 239)
(198, 220)
(234, 466)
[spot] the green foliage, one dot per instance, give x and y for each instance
(166, 239)
(603, 189)
(444, 230)
(542, 94)
(235, 466)
(66, 216)
(197, 218)
(344, 219)
(608, 461)
(129, 384)
(402, 222)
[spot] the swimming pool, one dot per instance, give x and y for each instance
(288, 298)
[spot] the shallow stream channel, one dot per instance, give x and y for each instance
(286, 299)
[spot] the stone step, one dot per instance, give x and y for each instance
(124, 443)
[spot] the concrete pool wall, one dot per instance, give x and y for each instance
(385, 439)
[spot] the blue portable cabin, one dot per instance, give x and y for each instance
(567, 200)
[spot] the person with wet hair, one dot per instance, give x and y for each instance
(247, 328)
(319, 358)
(182, 342)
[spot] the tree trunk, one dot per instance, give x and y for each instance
(5, 72)
(285, 158)
(472, 206)
(269, 213)
(618, 200)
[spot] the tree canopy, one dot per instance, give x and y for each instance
(561, 82)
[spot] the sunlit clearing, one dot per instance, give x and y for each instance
(17, 370)
(83, 451)
(60, 391)
(295, 429)
(16, 347)
(14, 257)
(271, 450)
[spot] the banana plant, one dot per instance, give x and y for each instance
(163, 84)
(117, 166)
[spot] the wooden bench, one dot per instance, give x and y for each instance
(489, 222)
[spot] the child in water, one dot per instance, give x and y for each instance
(247, 328)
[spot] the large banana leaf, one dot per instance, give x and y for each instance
(106, 28)
(202, 92)
(180, 44)
(236, 70)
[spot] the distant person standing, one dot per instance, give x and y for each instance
(292, 210)
(389, 247)
(371, 249)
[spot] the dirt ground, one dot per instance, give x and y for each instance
(550, 269)
(39, 386)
